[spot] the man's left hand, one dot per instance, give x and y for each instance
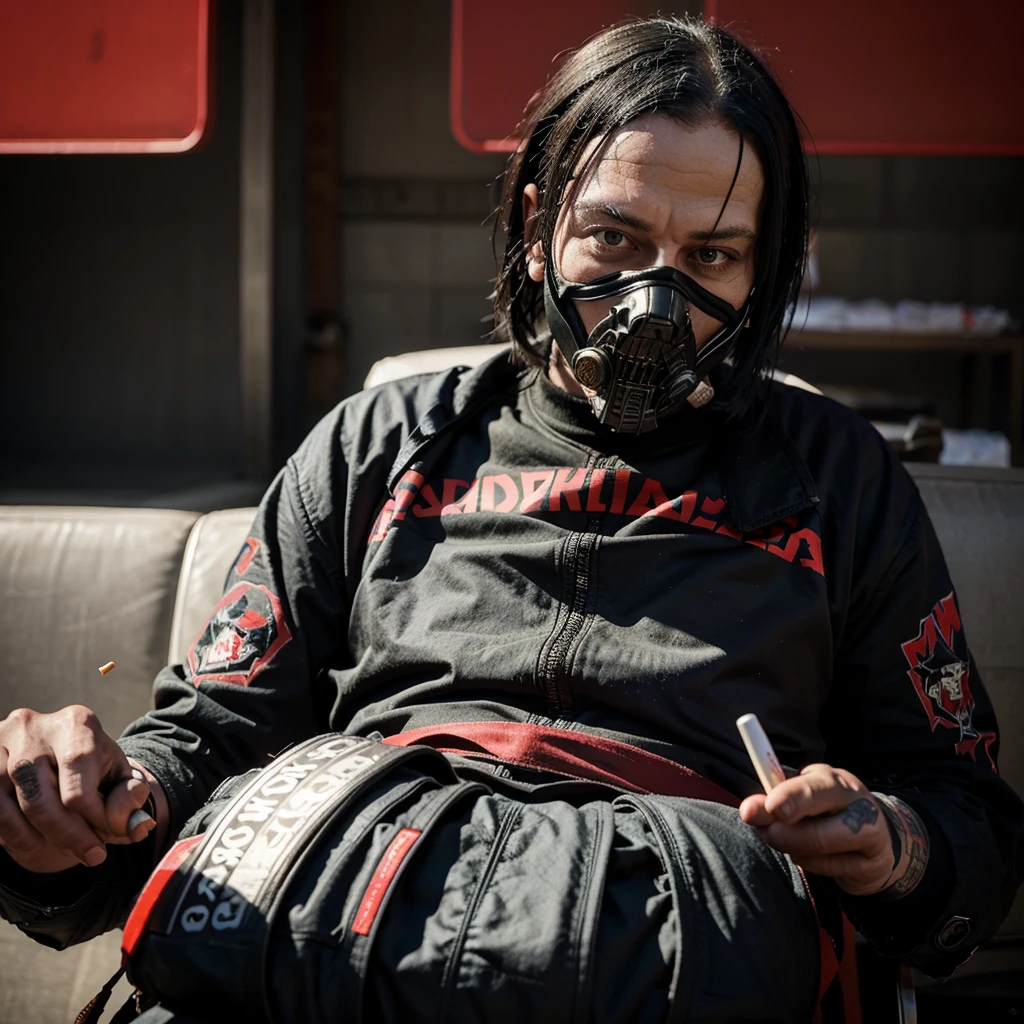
(829, 823)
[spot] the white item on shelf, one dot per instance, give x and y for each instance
(975, 448)
(828, 313)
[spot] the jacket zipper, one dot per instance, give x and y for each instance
(579, 549)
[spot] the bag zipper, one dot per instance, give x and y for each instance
(450, 975)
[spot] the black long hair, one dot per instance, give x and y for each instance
(695, 73)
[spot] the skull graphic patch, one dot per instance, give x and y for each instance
(940, 669)
(243, 634)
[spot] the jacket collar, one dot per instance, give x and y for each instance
(766, 478)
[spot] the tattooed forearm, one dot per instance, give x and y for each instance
(914, 845)
(26, 777)
(860, 813)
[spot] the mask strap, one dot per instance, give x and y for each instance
(559, 324)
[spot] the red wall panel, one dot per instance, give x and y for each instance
(894, 76)
(103, 76)
(502, 54)
(866, 76)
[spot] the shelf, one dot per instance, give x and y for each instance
(1011, 345)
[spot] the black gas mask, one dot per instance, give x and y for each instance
(641, 361)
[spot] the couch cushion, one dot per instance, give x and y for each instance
(80, 587)
(44, 986)
(213, 545)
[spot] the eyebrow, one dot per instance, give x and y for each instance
(724, 234)
(630, 220)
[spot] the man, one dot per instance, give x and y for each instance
(580, 574)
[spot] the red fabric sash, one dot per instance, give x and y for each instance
(577, 755)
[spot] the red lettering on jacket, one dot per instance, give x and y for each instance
(712, 507)
(651, 497)
(791, 549)
(405, 492)
(450, 487)
(622, 478)
(383, 520)
(436, 506)
(594, 503)
(568, 483)
(467, 503)
(729, 531)
(761, 539)
(562, 488)
(678, 509)
(535, 487)
(470, 498)
(433, 505)
(509, 491)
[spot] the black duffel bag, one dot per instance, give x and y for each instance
(355, 880)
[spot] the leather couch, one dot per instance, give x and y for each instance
(83, 586)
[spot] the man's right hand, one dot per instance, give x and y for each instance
(66, 790)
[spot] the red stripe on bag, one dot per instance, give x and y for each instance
(164, 872)
(382, 878)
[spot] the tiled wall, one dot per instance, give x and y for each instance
(945, 229)
(412, 285)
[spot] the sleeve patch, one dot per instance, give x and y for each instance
(940, 669)
(246, 555)
(241, 637)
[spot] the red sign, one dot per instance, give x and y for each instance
(867, 77)
(103, 76)
(502, 54)
(877, 77)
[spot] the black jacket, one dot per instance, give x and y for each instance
(473, 546)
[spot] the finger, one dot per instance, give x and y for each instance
(78, 778)
(823, 836)
(16, 832)
(818, 789)
(853, 872)
(126, 797)
(752, 811)
(35, 784)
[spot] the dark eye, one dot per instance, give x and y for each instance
(710, 256)
(611, 238)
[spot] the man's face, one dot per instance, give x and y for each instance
(652, 200)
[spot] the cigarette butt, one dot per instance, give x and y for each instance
(759, 747)
(104, 669)
(137, 818)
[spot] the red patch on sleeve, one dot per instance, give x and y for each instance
(241, 637)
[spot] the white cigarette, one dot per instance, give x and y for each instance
(759, 747)
(136, 818)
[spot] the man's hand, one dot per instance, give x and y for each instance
(66, 789)
(829, 823)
